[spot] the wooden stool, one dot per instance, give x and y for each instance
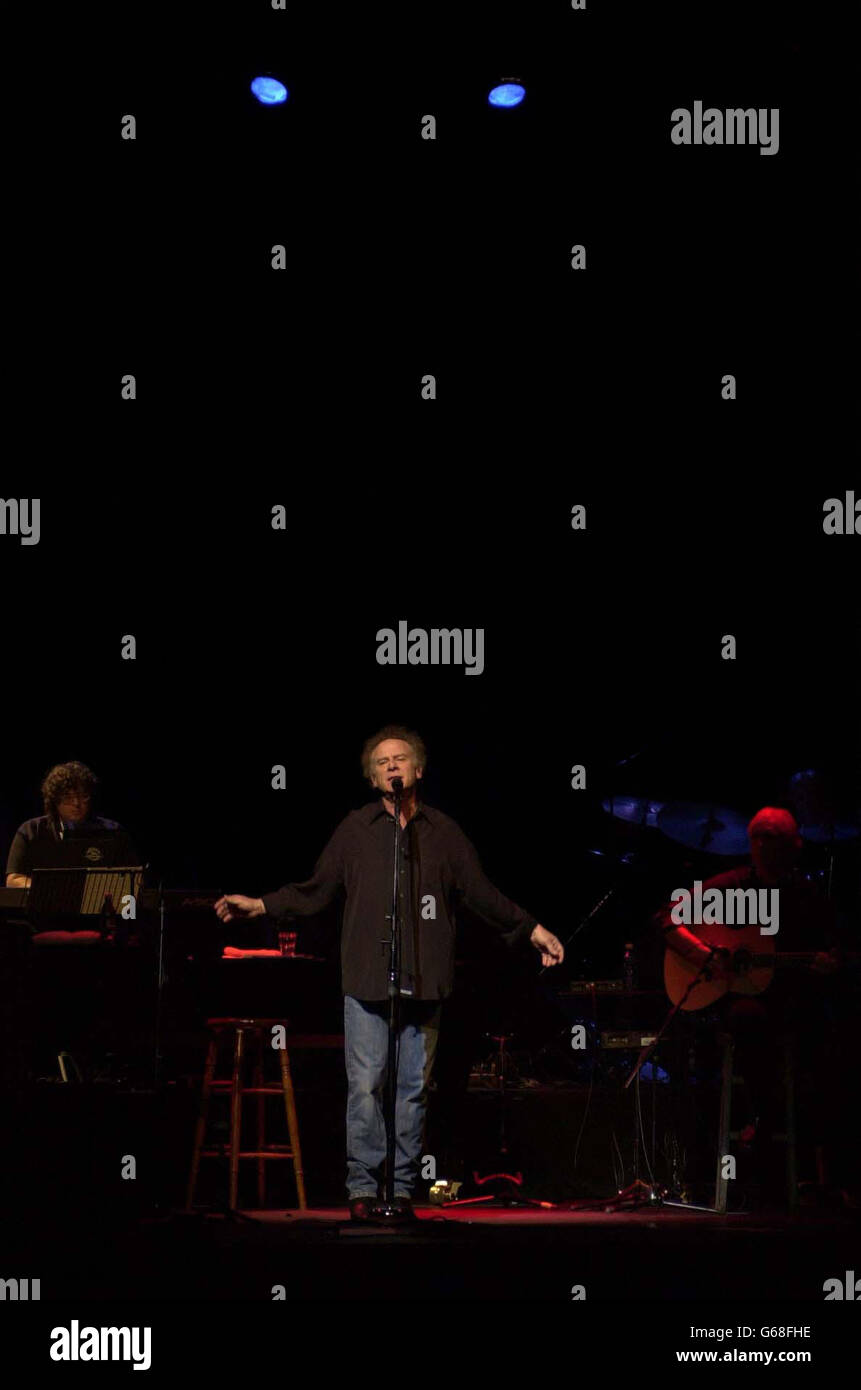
(255, 1028)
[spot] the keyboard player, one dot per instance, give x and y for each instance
(68, 792)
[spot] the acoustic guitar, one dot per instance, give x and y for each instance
(751, 956)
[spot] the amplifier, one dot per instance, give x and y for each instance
(611, 987)
(637, 1039)
(597, 986)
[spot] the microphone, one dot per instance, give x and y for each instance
(397, 785)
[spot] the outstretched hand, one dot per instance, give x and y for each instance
(236, 907)
(551, 948)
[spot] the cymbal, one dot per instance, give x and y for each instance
(629, 861)
(826, 834)
(703, 826)
(639, 810)
(815, 806)
(811, 796)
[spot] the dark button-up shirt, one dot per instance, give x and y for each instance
(439, 867)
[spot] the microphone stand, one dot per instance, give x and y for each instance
(160, 979)
(386, 1211)
(639, 1191)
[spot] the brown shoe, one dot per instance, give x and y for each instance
(360, 1208)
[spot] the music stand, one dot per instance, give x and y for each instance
(81, 892)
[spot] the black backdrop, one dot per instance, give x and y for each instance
(554, 387)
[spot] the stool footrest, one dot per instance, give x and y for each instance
(284, 1152)
(247, 1090)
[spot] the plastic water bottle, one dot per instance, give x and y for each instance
(629, 973)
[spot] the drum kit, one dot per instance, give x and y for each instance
(713, 829)
(636, 862)
(709, 828)
(636, 853)
(644, 830)
(648, 845)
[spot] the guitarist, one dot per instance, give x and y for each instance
(794, 1007)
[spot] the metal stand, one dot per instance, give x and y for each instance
(385, 1212)
(789, 1102)
(639, 1193)
(723, 1125)
(160, 978)
(651, 1193)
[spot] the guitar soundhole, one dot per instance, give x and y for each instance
(742, 962)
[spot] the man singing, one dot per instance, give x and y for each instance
(439, 867)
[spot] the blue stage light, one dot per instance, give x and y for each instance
(508, 94)
(269, 90)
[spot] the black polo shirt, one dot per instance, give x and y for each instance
(41, 828)
(440, 868)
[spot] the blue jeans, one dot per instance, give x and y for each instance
(366, 1042)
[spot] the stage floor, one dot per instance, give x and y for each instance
(462, 1254)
